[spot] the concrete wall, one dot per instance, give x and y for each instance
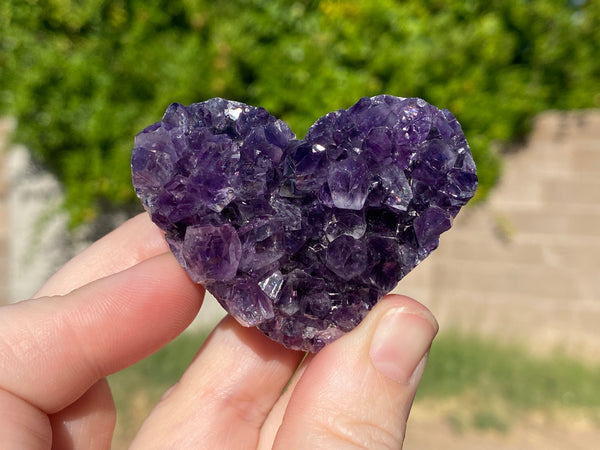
(526, 264)
(6, 127)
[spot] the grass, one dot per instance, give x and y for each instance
(461, 364)
(139, 387)
(498, 383)
(492, 385)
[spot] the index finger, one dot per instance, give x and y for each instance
(54, 349)
(135, 241)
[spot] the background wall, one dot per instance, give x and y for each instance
(526, 263)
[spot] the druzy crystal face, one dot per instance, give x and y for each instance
(302, 237)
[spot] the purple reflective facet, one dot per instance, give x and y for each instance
(302, 237)
(263, 243)
(248, 304)
(344, 221)
(348, 182)
(211, 253)
(347, 257)
(379, 144)
(431, 223)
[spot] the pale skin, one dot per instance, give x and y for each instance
(125, 297)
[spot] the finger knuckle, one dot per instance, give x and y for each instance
(352, 432)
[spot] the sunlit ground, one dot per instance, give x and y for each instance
(471, 386)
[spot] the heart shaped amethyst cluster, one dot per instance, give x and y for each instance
(302, 237)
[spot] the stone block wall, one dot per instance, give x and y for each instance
(525, 265)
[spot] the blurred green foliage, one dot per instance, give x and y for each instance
(82, 77)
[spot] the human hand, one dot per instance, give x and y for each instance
(125, 297)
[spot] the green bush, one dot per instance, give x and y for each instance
(82, 77)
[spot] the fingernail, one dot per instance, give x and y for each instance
(401, 341)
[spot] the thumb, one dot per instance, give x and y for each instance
(357, 392)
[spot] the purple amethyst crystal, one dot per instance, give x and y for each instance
(302, 237)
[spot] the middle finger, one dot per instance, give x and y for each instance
(225, 395)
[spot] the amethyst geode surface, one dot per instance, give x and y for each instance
(302, 237)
